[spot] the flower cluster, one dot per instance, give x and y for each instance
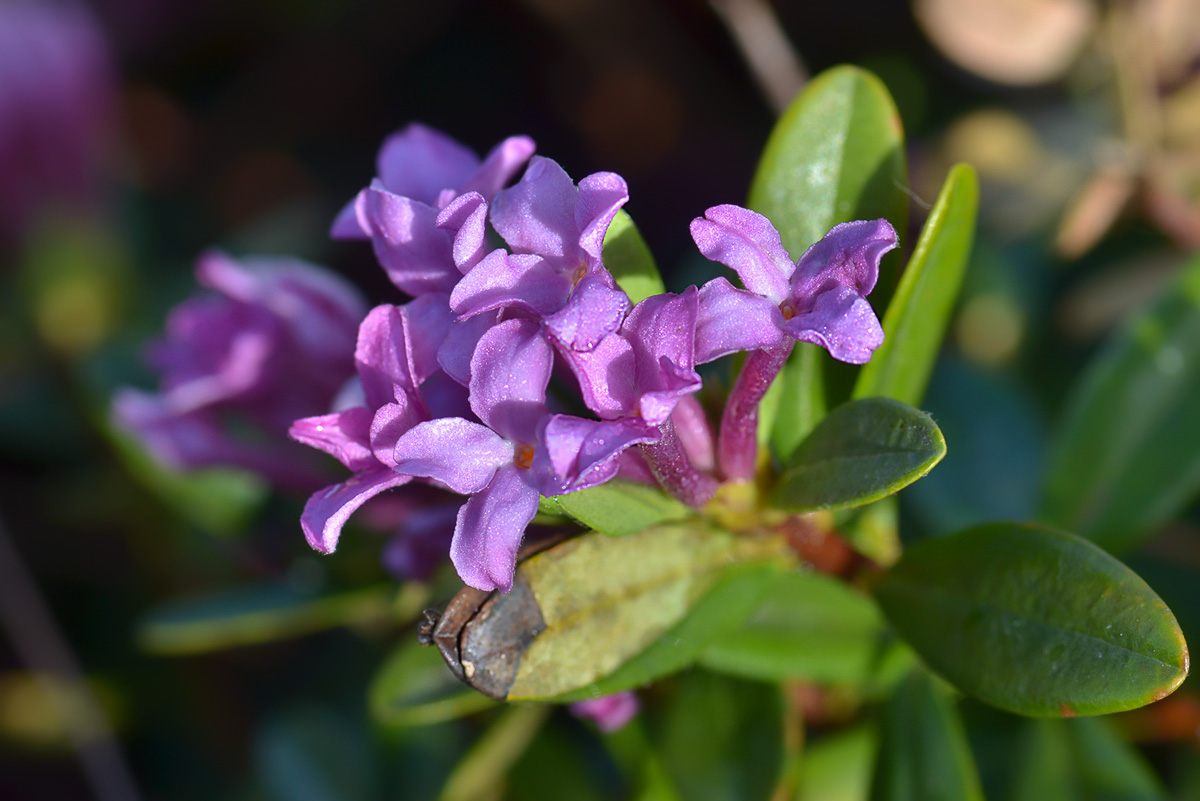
(454, 383)
(513, 372)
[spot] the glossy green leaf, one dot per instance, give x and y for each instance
(836, 154)
(838, 767)
(810, 626)
(414, 688)
(916, 318)
(258, 614)
(482, 770)
(923, 751)
(618, 507)
(863, 451)
(629, 260)
(1035, 621)
(1127, 455)
(721, 738)
(1080, 760)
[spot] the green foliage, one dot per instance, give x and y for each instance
(923, 752)
(1127, 455)
(414, 688)
(629, 260)
(1035, 621)
(721, 738)
(863, 451)
(812, 627)
(916, 319)
(618, 507)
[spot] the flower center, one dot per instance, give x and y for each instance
(577, 274)
(523, 458)
(789, 311)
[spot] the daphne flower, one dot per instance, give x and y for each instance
(518, 452)
(819, 299)
(555, 272)
(395, 354)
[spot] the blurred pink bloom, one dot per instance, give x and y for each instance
(610, 712)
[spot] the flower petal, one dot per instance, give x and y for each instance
(537, 215)
(458, 453)
(417, 255)
(489, 531)
(843, 323)
(466, 217)
(383, 356)
(343, 435)
(601, 196)
(329, 509)
(455, 352)
(577, 453)
(731, 320)
(500, 165)
(509, 373)
(847, 256)
(594, 310)
(419, 162)
(523, 281)
(391, 421)
(606, 376)
(748, 243)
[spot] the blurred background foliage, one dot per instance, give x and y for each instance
(248, 125)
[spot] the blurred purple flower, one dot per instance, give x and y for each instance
(57, 108)
(518, 452)
(819, 299)
(272, 343)
(610, 713)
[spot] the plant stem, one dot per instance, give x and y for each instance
(737, 444)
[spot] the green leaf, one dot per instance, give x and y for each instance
(916, 319)
(1035, 621)
(730, 595)
(838, 767)
(923, 753)
(629, 260)
(1081, 760)
(414, 688)
(863, 451)
(813, 627)
(1127, 455)
(258, 614)
(618, 508)
(482, 770)
(836, 154)
(721, 738)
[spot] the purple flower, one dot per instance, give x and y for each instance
(272, 343)
(555, 272)
(424, 165)
(57, 107)
(819, 299)
(644, 369)
(610, 713)
(396, 353)
(517, 452)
